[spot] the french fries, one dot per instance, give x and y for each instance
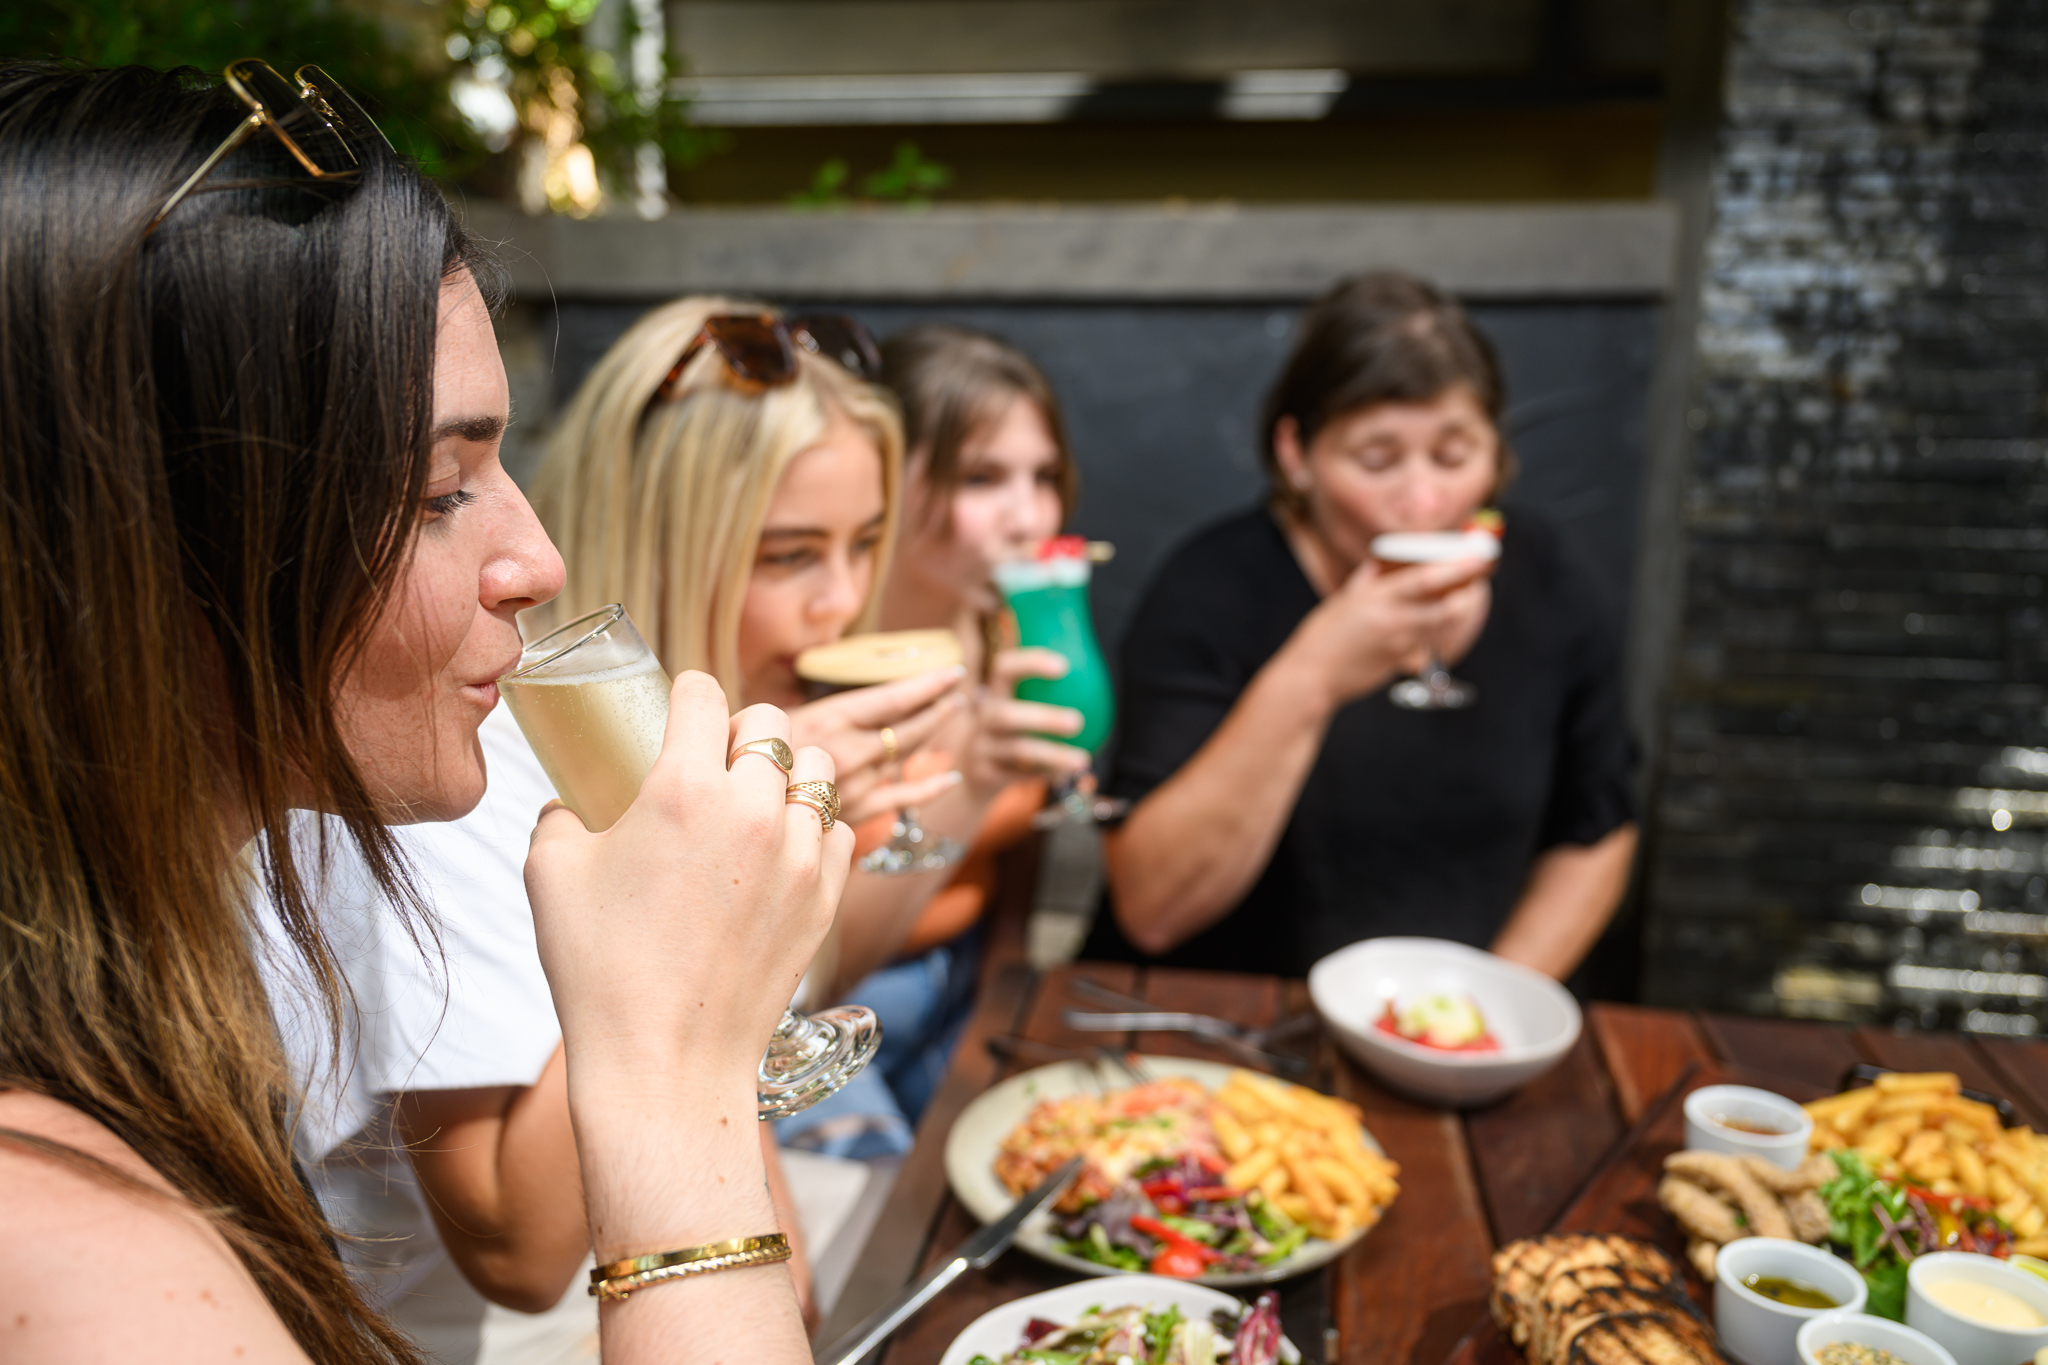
(1304, 1151)
(1919, 1127)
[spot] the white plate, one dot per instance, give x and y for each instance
(998, 1331)
(979, 1132)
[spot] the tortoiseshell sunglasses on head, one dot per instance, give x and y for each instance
(325, 131)
(760, 348)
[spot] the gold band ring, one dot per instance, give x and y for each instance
(888, 744)
(774, 750)
(822, 797)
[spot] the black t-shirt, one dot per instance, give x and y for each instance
(1410, 822)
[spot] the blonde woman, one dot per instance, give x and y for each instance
(740, 502)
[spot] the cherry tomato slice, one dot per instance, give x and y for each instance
(1179, 1262)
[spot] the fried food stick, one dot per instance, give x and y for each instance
(1728, 1176)
(1701, 1212)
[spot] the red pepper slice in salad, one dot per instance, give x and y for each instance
(1179, 1255)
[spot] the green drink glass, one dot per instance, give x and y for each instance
(1050, 600)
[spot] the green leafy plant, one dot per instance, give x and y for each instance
(400, 87)
(910, 179)
(494, 94)
(569, 86)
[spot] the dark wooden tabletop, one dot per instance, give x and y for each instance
(1417, 1283)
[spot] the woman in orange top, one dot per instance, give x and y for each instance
(989, 476)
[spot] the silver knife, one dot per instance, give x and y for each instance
(976, 1252)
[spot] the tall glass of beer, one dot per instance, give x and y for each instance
(592, 700)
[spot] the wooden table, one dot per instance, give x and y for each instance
(1417, 1283)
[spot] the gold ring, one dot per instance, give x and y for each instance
(822, 797)
(888, 744)
(774, 750)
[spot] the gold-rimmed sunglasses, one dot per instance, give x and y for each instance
(760, 348)
(325, 130)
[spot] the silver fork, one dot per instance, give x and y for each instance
(1206, 1025)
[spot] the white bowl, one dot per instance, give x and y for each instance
(1786, 1148)
(1534, 1019)
(1761, 1331)
(1972, 1342)
(1839, 1324)
(997, 1332)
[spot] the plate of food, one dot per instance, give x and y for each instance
(1148, 1318)
(1204, 1172)
(1905, 1167)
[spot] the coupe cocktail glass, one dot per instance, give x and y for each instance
(592, 700)
(866, 661)
(1433, 689)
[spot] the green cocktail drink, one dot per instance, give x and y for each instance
(1050, 599)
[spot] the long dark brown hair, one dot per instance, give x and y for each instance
(213, 442)
(952, 382)
(1383, 337)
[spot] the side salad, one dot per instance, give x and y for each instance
(1175, 1217)
(1134, 1333)
(1880, 1225)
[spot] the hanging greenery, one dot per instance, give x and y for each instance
(562, 102)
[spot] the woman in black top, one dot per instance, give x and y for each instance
(1284, 806)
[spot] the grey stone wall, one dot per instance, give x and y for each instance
(1849, 817)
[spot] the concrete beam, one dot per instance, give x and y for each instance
(1490, 252)
(1184, 38)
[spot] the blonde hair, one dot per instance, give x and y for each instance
(661, 507)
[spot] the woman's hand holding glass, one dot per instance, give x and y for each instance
(849, 726)
(1383, 623)
(639, 926)
(1009, 741)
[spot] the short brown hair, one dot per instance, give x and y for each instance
(952, 382)
(1384, 337)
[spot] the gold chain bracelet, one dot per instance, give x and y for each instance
(620, 1278)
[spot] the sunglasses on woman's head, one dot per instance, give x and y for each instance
(761, 349)
(325, 131)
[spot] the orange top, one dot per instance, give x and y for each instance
(949, 914)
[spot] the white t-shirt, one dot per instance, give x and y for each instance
(477, 1012)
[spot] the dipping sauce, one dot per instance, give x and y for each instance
(1791, 1293)
(1985, 1303)
(1751, 1126)
(1855, 1353)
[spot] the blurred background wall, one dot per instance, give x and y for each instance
(1766, 275)
(1853, 783)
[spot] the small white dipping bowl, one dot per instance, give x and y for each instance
(1972, 1342)
(1711, 1102)
(1839, 1325)
(1761, 1331)
(1534, 1019)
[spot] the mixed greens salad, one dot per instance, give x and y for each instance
(1109, 1336)
(1879, 1225)
(1175, 1218)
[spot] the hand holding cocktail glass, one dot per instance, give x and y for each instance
(1048, 595)
(594, 703)
(868, 665)
(1388, 619)
(870, 730)
(1433, 688)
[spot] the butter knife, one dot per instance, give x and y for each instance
(976, 1252)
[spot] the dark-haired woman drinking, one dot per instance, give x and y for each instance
(257, 553)
(1284, 806)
